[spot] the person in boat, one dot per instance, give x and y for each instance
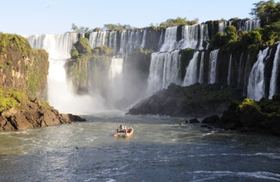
(122, 129)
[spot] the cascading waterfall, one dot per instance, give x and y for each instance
(256, 87)
(250, 25)
(275, 71)
(213, 66)
(116, 79)
(165, 64)
(222, 26)
(164, 70)
(155, 73)
(60, 95)
(201, 70)
(170, 40)
(191, 71)
(143, 44)
(98, 39)
(190, 37)
(240, 69)
(229, 70)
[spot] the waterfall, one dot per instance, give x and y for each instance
(201, 69)
(274, 75)
(203, 35)
(170, 39)
(98, 39)
(229, 70)
(222, 26)
(239, 70)
(116, 79)
(190, 37)
(256, 87)
(60, 94)
(250, 25)
(164, 70)
(143, 44)
(213, 66)
(191, 71)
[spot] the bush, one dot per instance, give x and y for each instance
(103, 51)
(177, 22)
(74, 53)
(251, 38)
(10, 98)
(82, 46)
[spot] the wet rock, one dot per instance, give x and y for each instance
(215, 119)
(73, 118)
(195, 100)
(193, 121)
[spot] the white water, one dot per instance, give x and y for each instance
(229, 70)
(170, 39)
(213, 66)
(256, 85)
(60, 94)
(275, 71)
(201, 69)
(190, 37)
(191, 71)
(164, 70)
(116, 79)
(251, 25)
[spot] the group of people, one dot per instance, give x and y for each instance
(122, 129)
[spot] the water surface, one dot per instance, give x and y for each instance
(160, 150)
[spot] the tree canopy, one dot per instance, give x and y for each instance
(267, 11)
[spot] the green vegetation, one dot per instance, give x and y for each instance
(99, 51)
(248, 103)
(267, 11)
(80, 29)
(11, 98)
(74, 53)
(173, 22)
(117, 27)
(37, 73)
(269, 33)
(15, 43)
(80, 48)
(22, 67)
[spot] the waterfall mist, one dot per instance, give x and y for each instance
(144, 61)
(60, 93)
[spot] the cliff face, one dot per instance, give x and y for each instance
(22, 67)
(23, 77)
(196, 100)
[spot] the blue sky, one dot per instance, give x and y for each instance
(56, 16)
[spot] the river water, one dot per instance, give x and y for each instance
(160, 150)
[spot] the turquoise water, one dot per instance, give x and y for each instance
(160, 150)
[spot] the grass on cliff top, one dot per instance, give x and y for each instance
(14, 42)
(11, 98)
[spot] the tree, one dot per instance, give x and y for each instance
(267, 11)
(80, 29)
(177, 22)
(231, 34)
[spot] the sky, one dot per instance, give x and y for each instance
(27, 17)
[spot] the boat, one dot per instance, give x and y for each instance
(124, 132)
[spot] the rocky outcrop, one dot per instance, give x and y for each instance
(195, 100)
(249, 115)
(23, 78)
(18, 112)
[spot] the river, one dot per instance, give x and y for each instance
(161, 149)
